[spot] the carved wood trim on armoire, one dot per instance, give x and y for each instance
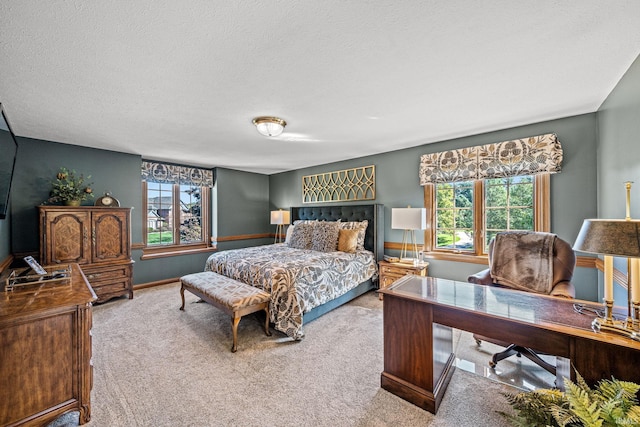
(98, 238)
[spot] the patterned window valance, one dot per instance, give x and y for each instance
(527, 156)
(167, 173)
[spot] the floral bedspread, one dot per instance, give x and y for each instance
(298, 279)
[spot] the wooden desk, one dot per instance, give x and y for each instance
(45, 350)
(419, 313)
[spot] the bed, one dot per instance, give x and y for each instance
(306, 283)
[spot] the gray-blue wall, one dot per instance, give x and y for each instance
(573, 195)
(619, 154)
(601, 152)
(242, 202)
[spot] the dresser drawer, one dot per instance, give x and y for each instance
(113, 272)
(109, 281)
(109, 287)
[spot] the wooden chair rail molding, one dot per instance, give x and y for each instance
(140, 245)
(245, 237)
(6, 263)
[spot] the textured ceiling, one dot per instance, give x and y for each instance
(182, 80)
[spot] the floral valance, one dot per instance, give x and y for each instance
(167, 173)
(527, 156)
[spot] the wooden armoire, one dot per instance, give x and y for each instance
(98, 238)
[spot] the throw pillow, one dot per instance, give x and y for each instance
(348, 240)
(301, 236)
(361, 226)
(287, 239)
(325, 236)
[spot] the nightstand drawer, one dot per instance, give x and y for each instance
(389, 272)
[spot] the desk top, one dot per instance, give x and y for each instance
(483, 302)
(46, 295)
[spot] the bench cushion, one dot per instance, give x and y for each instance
(224, 290)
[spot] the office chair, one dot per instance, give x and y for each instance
(520, 260)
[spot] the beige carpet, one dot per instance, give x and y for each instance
(157, 366)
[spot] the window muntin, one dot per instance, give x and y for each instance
(509, 205)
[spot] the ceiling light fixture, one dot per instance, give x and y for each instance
(269, 126)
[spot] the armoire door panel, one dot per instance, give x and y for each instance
(68, 236)
(110, 237)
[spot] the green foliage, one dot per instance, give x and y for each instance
(69, 186)
(611, 403)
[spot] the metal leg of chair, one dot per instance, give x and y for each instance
(535, 358)
(508, 352)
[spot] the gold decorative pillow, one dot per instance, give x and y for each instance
(348, 240)
(361, 226)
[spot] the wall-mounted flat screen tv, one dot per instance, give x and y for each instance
(8, 152)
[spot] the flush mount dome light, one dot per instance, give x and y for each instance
(269, 126)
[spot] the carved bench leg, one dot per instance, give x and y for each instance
(236, 320)
(266, 322)
(182, 296)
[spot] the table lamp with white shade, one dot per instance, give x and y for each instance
(409, 219)
(279, 218)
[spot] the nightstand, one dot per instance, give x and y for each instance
(390, 272)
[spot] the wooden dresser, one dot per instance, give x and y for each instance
(45, 350)
(390, 272)
(97, 238)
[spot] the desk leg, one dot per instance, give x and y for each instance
(563, 370)
(418, 354)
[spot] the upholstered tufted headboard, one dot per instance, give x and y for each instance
(374, 237)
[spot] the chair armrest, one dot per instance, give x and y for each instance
(564, 289)
(481, 278)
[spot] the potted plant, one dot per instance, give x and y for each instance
(610, 403)
(69, 188)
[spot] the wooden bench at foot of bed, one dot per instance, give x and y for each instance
(233, 297)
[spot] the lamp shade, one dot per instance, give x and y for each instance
(280, 217)
(616, 237)
(409, 218)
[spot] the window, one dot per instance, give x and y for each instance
(454, 215)
(508, 206)
(466, 215)
(473, 193)
(176, 208)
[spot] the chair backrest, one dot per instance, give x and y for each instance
(564, 261)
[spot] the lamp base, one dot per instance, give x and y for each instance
(615, 326)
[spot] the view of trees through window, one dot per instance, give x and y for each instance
(454, 215)
(508, 205)
(163, 214)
